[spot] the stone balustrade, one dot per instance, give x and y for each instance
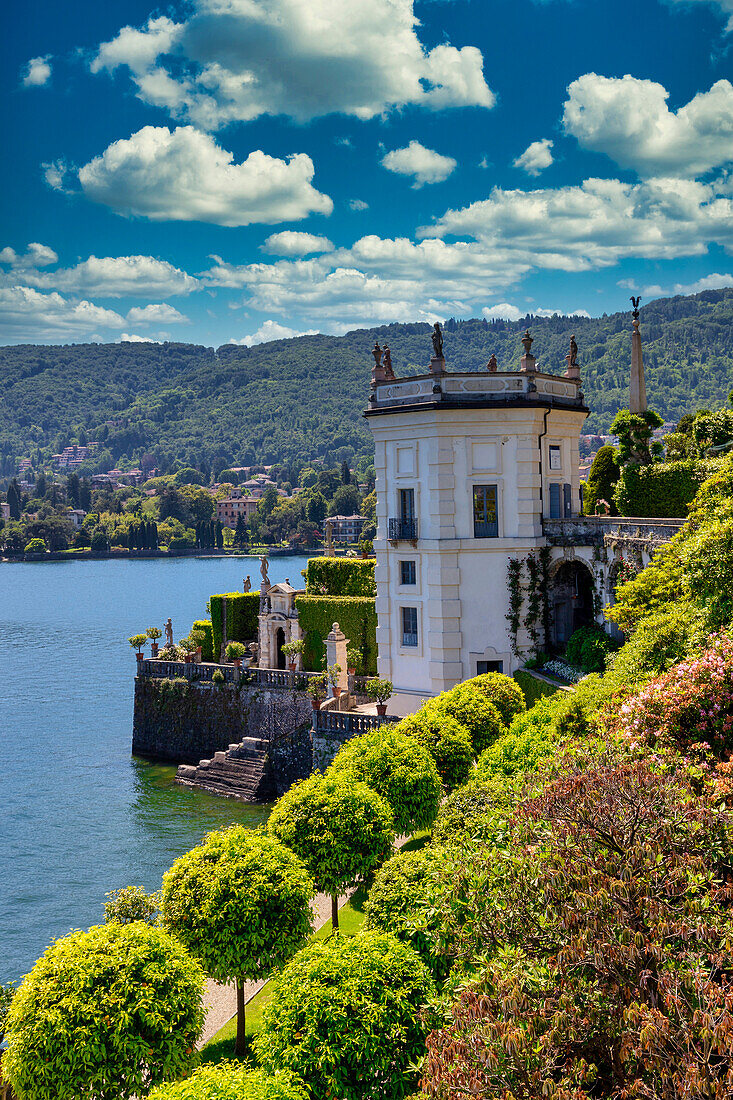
(504, 387)
(597, 530)
(153, 667)
(348, 724)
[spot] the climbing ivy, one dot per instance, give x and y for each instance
(534, 600)
(357, 617)
(340, 577)
(514, 584)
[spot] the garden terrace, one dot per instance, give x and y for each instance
(152, 667)
(618, 530)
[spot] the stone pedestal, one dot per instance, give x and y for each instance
(437, 365)
(336, 644)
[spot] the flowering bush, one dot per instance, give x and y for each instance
(690, 706)
(563, 671)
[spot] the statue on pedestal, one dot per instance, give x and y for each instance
(377, 353)
(330, 553)
(492, 365)
(388, 371)
(573, 357)
(247, 584)
(437, 338)
(263, 570)
(168, 633)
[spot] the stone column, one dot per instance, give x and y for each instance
(336, 644)
(637, 385)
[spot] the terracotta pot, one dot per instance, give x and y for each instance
(291, 666)
(139, 656)
(316, 703)
(351, 671)
(381, 708)
(154, 649)
(237, 662)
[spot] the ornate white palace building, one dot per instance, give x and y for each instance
(475, 469)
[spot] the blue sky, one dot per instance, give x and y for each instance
(243, 170)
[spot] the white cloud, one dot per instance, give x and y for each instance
(536, 157)
(28, 315)
(183, 175)
(628, 119)
(272, 330)
(502, 312)
(425, 165)
(714, 281)
(37, 72)
(132, 338)
(292, 243)
(597, 223)
(160, 313)
(235, 60)
(725, 6)
(55, 173)
(559, 313)
(107, 276)
(358, 204)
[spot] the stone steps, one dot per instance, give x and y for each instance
(242, 771)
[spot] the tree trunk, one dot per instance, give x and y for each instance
(334, 913)
(239, 1046)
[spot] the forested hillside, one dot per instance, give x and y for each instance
(303, 398)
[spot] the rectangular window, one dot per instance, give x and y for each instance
(409, 626)
(408, 573)
(555, 458)
(485, 521)
(567, 493)
(489, 666)
(407, 504)
(555, 512)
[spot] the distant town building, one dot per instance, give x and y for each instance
(4, 510)
(74, 456)
(346, 528)
(76, 515)
(238, 504)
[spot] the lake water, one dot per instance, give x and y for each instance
(78, 814)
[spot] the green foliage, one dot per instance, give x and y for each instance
(476, 813)
(447, 741)
(602, 478)
(242, 610)
(634, 433)
(533, 688)
(399, 769)
(106, 1014)
(502, 691)
(235, 651)
(35, 546)
(588, 647)
(7, 992)
(100, 541)
(239, 901)
(401, 901)
(138, 641)
(231, 1081)
(203, 627)
(517, 751)
(340, 830)
(345, 1018)
(378, 688)
(131, 903)
(474, 711)
(218, 677)
(357, 617)
(664, 489)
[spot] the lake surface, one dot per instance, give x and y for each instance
(78, 814)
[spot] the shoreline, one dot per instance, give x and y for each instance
(152, 555)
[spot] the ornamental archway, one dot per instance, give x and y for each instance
(571, 600)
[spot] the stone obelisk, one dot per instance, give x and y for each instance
(637, 384)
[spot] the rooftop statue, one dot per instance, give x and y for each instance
(263, 570)
(527, 341)
(573, 353)
(389, 372)
(437, 338)
(377, 353)
(492, 364)
(635, 303)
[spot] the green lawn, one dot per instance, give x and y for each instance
(351, 918)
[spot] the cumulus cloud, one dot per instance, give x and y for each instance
(714, 281)
(106, 276)
(184, 175)
(424, 165)
(536, 157)
(235, 60)
(37, 72)
(292, 243)
(724, 6)
(28, 315)
(503, 311)
(132, 338)
(358, 204)
(160, 313)
(272, 330)
(628, 119)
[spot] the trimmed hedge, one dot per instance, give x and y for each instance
(447, 741)
(533, 688)
(340, 577)
(471, 707)
(207, 646)
(664, 489)
(502, 691)
(243, 609)
(357, 617)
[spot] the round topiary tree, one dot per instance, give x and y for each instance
(240, 903)
(447, 741)
(503, 691)
(345, 1018)
(470, 706)
(340, 830)
(602, 478)
(105, 1014)
(401, 901)
(231, 1081)
(398, 768)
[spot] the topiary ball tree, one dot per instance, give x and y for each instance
(399, 769)
(104, 1014)
(240, 902)
(503, 691)
(340, 830)
(447, 741)
(231, 1081)
(345, 1018)
(470, 706)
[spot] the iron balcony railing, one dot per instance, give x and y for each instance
(402, 529)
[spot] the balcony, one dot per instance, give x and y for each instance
(403, 530)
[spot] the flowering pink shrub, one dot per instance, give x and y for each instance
(690, 706)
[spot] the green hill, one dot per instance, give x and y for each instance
(303, 398)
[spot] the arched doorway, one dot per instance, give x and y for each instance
(571, 599)
(279, 643)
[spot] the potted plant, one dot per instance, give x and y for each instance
(317, 689)
(332, 673)
(137, 641)
(198, 638)
(353, 657)
(188, 648)
(381, 690)
(234, 653)
(153, 633)
(292, 650)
